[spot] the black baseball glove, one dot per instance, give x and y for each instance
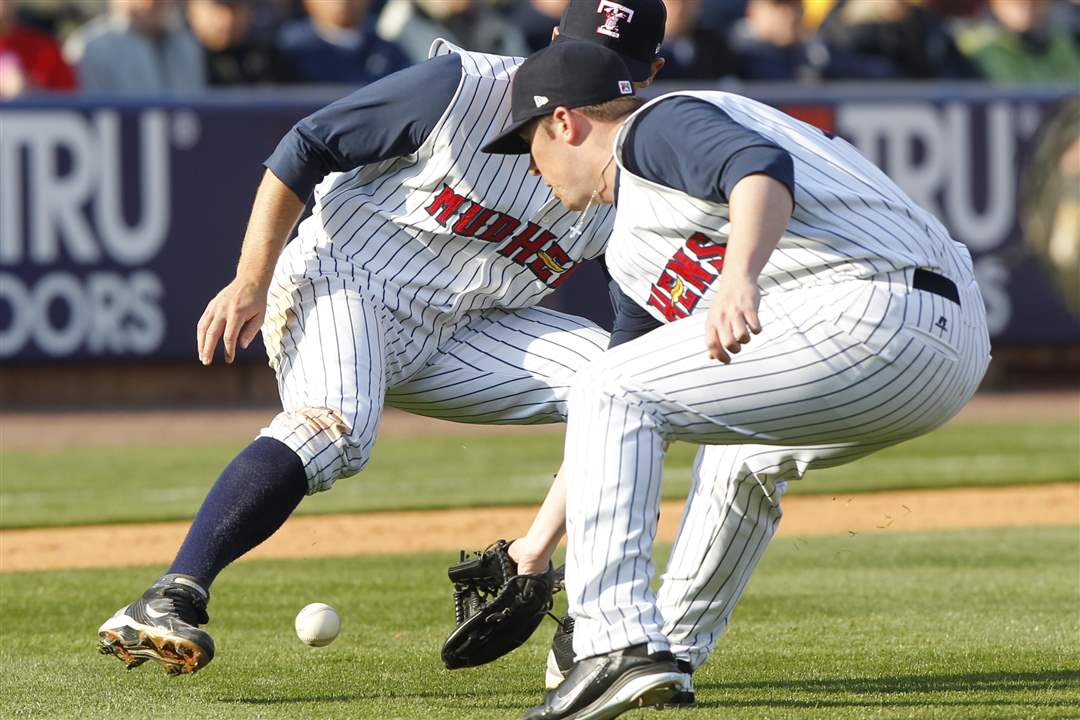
(496, 608)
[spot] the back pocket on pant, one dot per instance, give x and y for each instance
(932, 343)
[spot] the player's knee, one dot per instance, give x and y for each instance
(770, 482)
(603, 376)
(331, 446)
(354, 458)
(588, 385)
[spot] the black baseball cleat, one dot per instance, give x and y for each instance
(685, 697)
(560, 660)
(162, 626)
(606, 686)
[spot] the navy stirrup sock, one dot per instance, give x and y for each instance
(254, 496)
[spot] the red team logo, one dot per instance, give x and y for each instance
(686, 276)
(613, 13)
(530, 246)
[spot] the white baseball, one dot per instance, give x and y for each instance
(317, 624)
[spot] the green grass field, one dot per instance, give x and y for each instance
(62, 487)
(974, 624)
(961, 624)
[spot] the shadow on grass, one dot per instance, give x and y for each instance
(979, 683)
(877, 686)
(355, 697)
(290, 700)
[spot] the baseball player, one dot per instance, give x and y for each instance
(808, 313)
(413, 284)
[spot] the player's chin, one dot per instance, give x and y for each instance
(572, 203)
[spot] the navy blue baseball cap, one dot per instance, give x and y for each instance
(632, 28)
(569, 74)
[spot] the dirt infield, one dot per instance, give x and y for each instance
(405, 532)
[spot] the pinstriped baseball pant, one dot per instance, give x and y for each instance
(340, 356)
(837, 372)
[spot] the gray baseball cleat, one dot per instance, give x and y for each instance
(606, 686)
(560, 658)
(560, 661)
(162, 626)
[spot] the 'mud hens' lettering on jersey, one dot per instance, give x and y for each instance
(530, 246)
(686, 276)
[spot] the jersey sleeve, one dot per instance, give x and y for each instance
(386, 119)
(631, 320)
(693, 146)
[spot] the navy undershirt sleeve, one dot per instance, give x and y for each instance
(386, 119)
(631, 320)
(693, 146)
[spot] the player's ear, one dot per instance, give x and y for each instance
(565, 124)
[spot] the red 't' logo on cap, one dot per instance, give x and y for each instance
(613, 13)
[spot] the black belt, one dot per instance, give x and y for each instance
(937, 284)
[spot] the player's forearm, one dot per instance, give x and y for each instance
(273, 215)
(760, 209)
(533, 551)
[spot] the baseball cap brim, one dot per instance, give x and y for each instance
(639, 69)
(552, 78)
(509, 142)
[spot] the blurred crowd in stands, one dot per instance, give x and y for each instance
(140, 47)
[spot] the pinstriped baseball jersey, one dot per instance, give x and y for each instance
(447, 230)
(850, 221)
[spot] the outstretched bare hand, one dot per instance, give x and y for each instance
(732, 317)
(233, 316)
